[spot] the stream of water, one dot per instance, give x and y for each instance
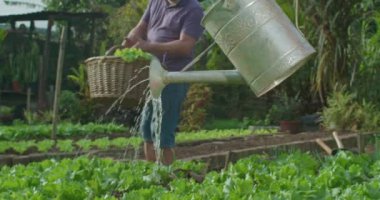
(142, 102)
(156, 126)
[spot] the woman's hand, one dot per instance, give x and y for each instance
(142, 44)
(128, 42)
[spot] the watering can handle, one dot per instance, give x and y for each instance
(196, 59)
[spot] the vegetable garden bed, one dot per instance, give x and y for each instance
(24, 147)
(305, 142)
(12, 152)
(291, 175)
(217, 152)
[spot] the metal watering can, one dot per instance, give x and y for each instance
(259, 40)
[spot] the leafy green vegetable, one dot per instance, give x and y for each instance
(65, 145)
(132, 54)
(6, 110)
(102, 143)
(21, 147)
(84, 144)
(120, 142)
(135, 142)
(4, 145)
(45, 145)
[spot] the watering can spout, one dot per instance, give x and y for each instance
(159, 77)
(156, 77)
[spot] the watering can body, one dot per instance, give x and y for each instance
(259, 40)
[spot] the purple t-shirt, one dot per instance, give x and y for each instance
(166, 23)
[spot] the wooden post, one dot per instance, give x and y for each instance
(360, 143)
(31, 29)
(13, 25)
(58, 82)
(28, 97)
(42, 102)
(92, 37)
(39, 77)
(69, 35)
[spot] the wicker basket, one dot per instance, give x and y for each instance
(110, 77)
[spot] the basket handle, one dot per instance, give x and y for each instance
(112, 50)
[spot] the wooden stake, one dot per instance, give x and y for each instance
(360, 143)
(28, 94)
(58, 82)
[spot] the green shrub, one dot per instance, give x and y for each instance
(286, 108)
(34, 118)
(6, 110)
(344, 112)
(122, 20)
(194, 112)
(69, 105)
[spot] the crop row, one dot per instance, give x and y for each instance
(69, 145)
(24, 131)
(104, 143)
(67, 130)
(288, 176)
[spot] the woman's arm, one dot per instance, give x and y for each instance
(137, 33)
(181, 47)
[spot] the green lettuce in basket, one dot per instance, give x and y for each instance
(132, 54)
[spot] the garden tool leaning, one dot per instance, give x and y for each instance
(330, 151)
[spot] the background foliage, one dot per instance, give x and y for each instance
(123, 19)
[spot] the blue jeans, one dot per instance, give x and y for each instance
(172, 97)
